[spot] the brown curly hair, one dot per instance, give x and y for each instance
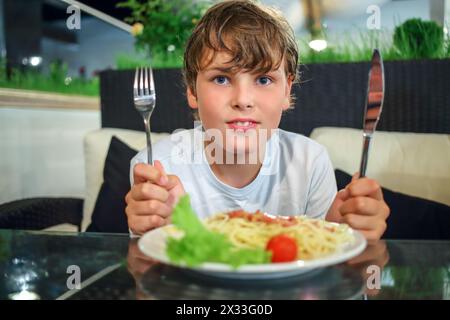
(258, 38)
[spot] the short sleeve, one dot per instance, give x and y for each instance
(322, 189)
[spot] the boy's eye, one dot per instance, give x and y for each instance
(221, 80)
(264, 81)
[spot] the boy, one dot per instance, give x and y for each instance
(239, 66)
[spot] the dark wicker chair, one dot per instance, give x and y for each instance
(40, 213)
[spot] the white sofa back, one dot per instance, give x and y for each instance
(417, 164)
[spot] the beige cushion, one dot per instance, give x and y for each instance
(96, 144)
(417, 164)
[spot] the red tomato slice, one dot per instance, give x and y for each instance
(283, 248)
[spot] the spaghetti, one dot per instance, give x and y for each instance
(315, 238)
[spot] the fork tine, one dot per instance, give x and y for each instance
(141, 78)
(136, 83)
(146, 81)
(152, 82)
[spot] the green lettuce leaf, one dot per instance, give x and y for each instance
(199, 245)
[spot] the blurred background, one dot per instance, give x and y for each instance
(51, 53)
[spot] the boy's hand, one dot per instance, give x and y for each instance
(361, 206)
(152, 197)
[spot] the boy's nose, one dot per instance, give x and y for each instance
(242, 97)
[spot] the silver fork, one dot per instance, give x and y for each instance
(144, 101)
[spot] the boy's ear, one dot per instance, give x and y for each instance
(192, 99)
(287, 94)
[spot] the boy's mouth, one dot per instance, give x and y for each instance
(242, 124)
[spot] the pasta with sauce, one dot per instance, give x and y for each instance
(315, 238)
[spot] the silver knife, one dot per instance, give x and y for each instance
(374, 105)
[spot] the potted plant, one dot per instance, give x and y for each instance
(161, 29)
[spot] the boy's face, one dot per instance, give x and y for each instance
(240, 104)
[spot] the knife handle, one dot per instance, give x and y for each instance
(365, 155)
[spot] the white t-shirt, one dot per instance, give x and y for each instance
(296, 177)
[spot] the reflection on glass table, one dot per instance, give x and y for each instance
(35, 265)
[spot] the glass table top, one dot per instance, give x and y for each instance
(49, 265)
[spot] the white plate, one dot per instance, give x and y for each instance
(153, 244)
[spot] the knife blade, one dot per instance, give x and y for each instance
(373, 106)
